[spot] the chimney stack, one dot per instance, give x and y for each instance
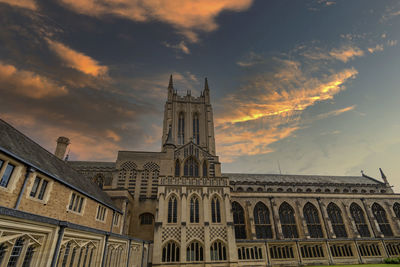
(62, 144)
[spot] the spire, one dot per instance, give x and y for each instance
(383, 176)
(171, 84)
(206, 85)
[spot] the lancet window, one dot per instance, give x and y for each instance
(288, 222)
(218, 251)
(262, 221)
(205, 169)
(170, 252)
(381, 218)
(177, 168)
(196, 129)
(181, 129)
(194, 210)
(238, 221)
(312, 220)
(215, 210)
(194, 252)
(191, 167)
(172, 209)
(335, 215)
(358, 216)
(396, 209)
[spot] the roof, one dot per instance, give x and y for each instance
(20, 146)
(300, 179)
(101, 165)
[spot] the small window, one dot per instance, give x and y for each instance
(39, 188)
(146, 219)
(7, 174)
(101, 213)
(76, 203)
(116, 219)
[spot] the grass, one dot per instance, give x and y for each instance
(360, 265)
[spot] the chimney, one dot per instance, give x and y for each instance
(62, 143)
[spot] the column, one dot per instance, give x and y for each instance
(325, 218)
(374, 224)
(159, 219)
(275, 219)
(303, 229)
(183, 223)
(251, 227)
(232, 249)
(351, 225)
(206, 216)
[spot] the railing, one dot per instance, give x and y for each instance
(196, 181)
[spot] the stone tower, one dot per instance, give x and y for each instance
(190, 118)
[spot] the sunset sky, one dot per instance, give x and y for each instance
(311, 86)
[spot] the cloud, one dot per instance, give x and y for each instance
(335, 112)
(187, 17)
(29, 4)
(376, 48)
(392, 42)
(251, 59)
(77, 60)
(28, 83)
(180, 47)
(344, 53)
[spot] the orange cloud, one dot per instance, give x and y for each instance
(77, 60)
(27, 83)
(376, 48)
(29, 4)
(344, 53)
(187, 16)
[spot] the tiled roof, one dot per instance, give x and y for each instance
(92, 165)
(300, 179)
(13, 141)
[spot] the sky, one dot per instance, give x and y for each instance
(297, 86)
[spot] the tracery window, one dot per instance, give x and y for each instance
(191, 167)
(288, 221)
(396, 209)
(218, 251)
(181, 129)
(335, 215)
(312, 220)
(205, 169)
(262, 221)
(170, 252)
(16, 252)
(177, 168)
(194, 252)
(358, 216)
(196, 129)
(381, 218)
(28, 256)
(238, 221)
(215, 210)
(172, 209)
(194, 210)
(146, 219)
(2, 252)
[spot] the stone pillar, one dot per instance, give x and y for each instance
(374, 224)
(275, 219)
(303, 229)
(394, 221)
(231, 244)
(159, 219)
(206, 216)
(251, 227)
(183, 223)
(325, 218)
(351, 225)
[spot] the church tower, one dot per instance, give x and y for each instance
(190, 118)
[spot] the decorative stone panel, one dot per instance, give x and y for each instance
(194, 232)
(173, 232)
(218, 232)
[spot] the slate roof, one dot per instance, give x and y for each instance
(19, 145)
(300, 179)
(92, 165)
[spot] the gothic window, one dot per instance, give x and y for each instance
(181, 129)
(335, 215)
(249, 189)
(194, 252)
(194, 210)
(358, 216)
(99, 180)
(238, 221)
(2, 252)
(146, 219)
(16, 252)
(380, 216)
(262, 221)
(288, 222)
(396, 209)
(191, 167)
(205, 169)
(239, 189)
(218, 251)
(215, 210)
(170, 252)
(28, 256)
(196, 129)
(172, 209)
(177, 168)
(312, 220)
(66, 253)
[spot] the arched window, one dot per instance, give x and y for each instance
(380, 216)
(177, 168)
(262, 221)
(191, 167)
(181, 129)
(249, 189)
(99, 180)
(194, 210)
(239, 189)
(238, 221)
(146, 219)
(172, 209)
(288, 222)
(196, 129)
(396, 209)
(218, 251)
(215, 210)
(16, 252)
(312, 220)
(335, 215)
(205, 169)
(170, 252)
(358, 216)
(28, 256)
(194, 252)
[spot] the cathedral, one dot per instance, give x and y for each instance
(176, 208)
